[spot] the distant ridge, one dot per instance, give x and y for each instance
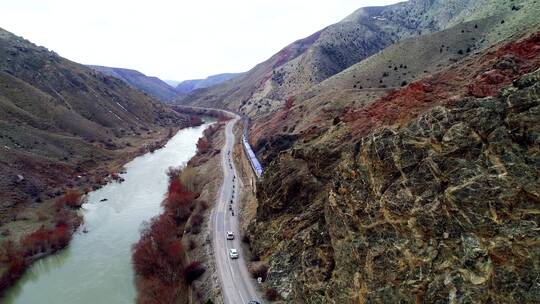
(188, 86)
(152, 86)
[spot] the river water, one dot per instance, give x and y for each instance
(96, 266)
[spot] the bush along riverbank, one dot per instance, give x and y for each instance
(159, 258)
(171, 259)
(53, 235)
(32, 231)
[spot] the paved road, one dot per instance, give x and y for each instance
(236, 283)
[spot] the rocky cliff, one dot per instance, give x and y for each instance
(396, 170)
(434, 203)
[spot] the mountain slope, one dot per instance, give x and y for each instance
(60, 121)
(367, 31)
(406, 171)
(397, 65)
(152, 86)
(188, 86)
(393, 67)
(418, 196)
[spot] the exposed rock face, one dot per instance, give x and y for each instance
(442, 210)
(271, 147)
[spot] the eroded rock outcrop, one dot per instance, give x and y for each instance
(444, 209)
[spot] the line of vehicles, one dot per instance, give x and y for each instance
(233, 252)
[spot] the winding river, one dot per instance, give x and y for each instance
(96, 267)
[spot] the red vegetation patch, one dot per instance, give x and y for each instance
(479, 76)
(44, 240)
(17, 257)
(159, 252)
(179, 201)
(153, 291)
(159, 256)
(204, 145)
(157, 260)
(16, 264)
(71, 199)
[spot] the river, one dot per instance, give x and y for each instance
(96, 266)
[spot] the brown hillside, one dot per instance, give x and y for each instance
(61, 124)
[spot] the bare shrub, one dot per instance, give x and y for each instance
(71, 199)
(191, 244)
(271, 294)
(196, 223)
(193, 271)
(259, 271)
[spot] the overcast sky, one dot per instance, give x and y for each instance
(174, 40)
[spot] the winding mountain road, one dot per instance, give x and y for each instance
(236, 283)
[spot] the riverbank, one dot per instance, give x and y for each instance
(228, 281)
(97, 265)
(207, 168)
(179, 267)
(30, 231)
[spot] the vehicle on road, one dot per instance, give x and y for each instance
(254, 302)
(230, 235)
(233, 253)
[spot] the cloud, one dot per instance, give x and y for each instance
(172, 39)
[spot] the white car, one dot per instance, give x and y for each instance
(233, 253)
(230, 235)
